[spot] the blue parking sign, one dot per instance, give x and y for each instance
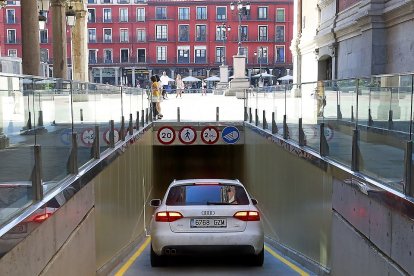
(230, 135)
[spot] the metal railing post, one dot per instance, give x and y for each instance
(146, 116)
(217, 114)
(142, 118)
(73, 158)
(130, 127)
(274, 125)
(256, 119)
(390, 120)
(355, 150)
(352, 114)
(137, 121)
(40, 119)
(96, 144)
(370, 121)
(37, 187)
(408, 169)
(323, 143)
(264, 120)
(122, 130)
(178, 114)
(81, 115)
(302, 136)
(250, 115)
(285, 128)
(112, 134)
(246, 115)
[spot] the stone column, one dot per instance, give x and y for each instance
(239, 81)
(60, 64)
(79, 44)
(30, 38)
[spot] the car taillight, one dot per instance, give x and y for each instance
(168, 216)
(42, 217)
(247, 215)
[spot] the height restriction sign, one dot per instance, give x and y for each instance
(210, 135)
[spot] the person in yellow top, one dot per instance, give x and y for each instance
(155, 98)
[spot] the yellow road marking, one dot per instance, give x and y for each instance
(131, 260)
(286, 262)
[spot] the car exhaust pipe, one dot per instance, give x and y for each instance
(167, 251)
(173, 251)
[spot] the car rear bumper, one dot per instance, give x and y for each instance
(216, 250)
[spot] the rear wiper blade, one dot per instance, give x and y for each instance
(217, 203)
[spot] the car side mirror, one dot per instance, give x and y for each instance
(254, 201)
(155, 202)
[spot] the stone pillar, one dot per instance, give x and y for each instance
(239, 81)
(80, 44)
(30, 38)
(60, 64)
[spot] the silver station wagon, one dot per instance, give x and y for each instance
(206, 216)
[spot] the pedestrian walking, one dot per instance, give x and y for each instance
(155, 99)
(203, 88)
(179, 85)
(164, 81)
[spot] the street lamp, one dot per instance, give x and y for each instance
(243, 8)
(224, 29)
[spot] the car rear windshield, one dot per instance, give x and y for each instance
(207, 195)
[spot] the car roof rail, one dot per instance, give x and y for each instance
(237, 180)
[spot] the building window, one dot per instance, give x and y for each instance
(125, 55)
(141, 56)
(280, 15)
(141, 35)
(92, 35)
(106, 1)
(123, 1)
(200, 54)
(107, 56)
(161, 32)
(43, 36)
(11, 16)
(280, 54)
(11, 36)
(262, 13)
(201, 31)
(123, 35)
(221, 13)
(107, 15)
(262, 55)
(91, 1)
(162, 54)
(201, 13)
(183, 33)
(183, 54)
(220, 32)
(262, 33)
(140, 14)
(92, 56)
(243, 52)
(123, 15)
(161, 13)
(91, 16)
(107, 35)
(280, 34)
(9, 2)
(219, 54)
(183, 13)
(244, 36)
(12, 53)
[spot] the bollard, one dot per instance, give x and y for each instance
(338, 112)
(352, 113)
(137, 121)
(370, 121)
(37, 189)
(111, 134)
(250, 115)
(264, 120)
(274, 125)
(81, 115)
(285, 128)
(130, 127)
(256, 119)
(96, 144)
(122, 130)
(245, 114)
(29, 121)
(146, 115)
(390, 121)
(217, 114)
(323, 143)
(302, 136)
(178, 114)
(142, 118)
(355, 150)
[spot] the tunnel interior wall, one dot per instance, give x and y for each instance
(294, 197)
(121, 191)
(200, 161)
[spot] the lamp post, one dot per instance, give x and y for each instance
(224, 29)
(243, 8)
(71, 21)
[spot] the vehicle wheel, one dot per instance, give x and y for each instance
(156, 260)
(257, 260)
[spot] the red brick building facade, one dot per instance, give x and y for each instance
(128, 40)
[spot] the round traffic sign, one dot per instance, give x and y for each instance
(166, 135)
(107, 138)
(209, 135)
(87, 136)
(230, 135)
(187, 135)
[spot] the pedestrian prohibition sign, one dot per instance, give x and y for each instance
(166, 135)
(209, 135)
(230, 135)
(187, 135)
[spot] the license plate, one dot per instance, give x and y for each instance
(19, 229)
(208, 223)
